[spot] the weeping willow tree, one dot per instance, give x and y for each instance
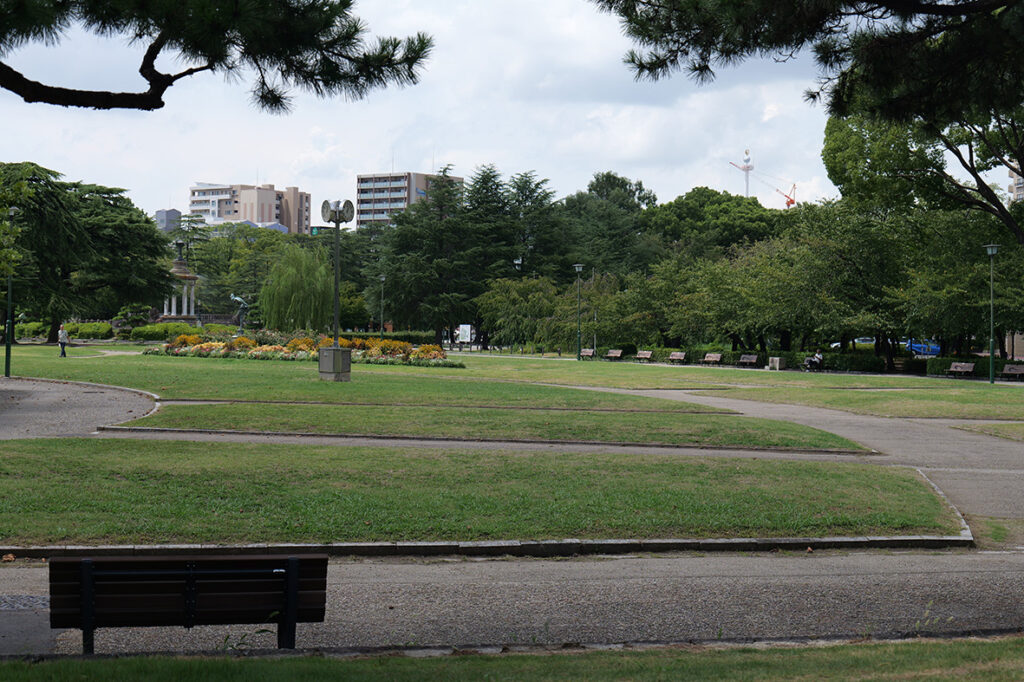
(299, 291)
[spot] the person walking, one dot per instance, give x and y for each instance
(63, 340)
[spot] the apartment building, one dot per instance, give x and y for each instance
(262, 205)
(1016, 188)
(380, 195)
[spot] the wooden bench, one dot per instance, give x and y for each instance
(149, 591)
(961, 369)
(613, 354)
(712, 359)
(747, 361)
(1013, 371)
(677, 356)
(587, 353)
(644, 355)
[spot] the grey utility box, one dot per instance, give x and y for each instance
(336, 364)
(773, 363)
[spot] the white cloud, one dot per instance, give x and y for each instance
(523, 84)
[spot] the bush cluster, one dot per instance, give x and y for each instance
(938, 366)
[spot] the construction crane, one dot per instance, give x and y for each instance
(748, 170)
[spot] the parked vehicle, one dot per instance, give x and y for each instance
(922, 347)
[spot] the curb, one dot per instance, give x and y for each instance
(511, 442)
(513, 548)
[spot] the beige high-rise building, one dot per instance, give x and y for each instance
(380, 195)
(263, 205)
(1016, 187)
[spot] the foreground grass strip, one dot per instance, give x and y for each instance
(86, 491)
(226, 379)
(960, 401)
(462, 422)
(989, 660)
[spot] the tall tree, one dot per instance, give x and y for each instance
(704, 222)
(314, 45)
(299, 292)
(907, 164)
(897, 58)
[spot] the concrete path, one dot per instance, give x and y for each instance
(495, 603)
(31, 408)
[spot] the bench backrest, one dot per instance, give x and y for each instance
(677, 355)
(643, 354)
(186, 590)
(1013, 369)
(613, 354)
(587, 352)
(748, 359)
(713, 357)
(961, 367)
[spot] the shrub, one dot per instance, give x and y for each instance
(240, 343)
(214, 328)
(162, 331)
(429, 351)
(29, 329)
(303, 344)
(94, 330)
(269, 337)
(185, 341)
(205, 350)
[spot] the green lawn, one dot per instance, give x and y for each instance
(464, 422)
(219, 379)
(1014, 431)
(963, 659)
(88, 491)
(943, 399)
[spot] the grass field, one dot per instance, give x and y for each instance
(86, 491)
(1013, 431)
(488, 380)
(504, 424)
(984, 660)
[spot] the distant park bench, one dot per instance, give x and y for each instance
(644, 355)
(149, 591)
(587, 353)
(747, 361)
(961, 369)
(712, 359)
(613, 354)
(677, 356)
(1013, 372)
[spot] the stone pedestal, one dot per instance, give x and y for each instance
(777, 363)
(336, 364)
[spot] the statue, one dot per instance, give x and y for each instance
(242, 307)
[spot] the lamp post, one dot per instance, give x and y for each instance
(382, 278)
(991, 250)
(9, 329)
(335, 361)
(579, 309)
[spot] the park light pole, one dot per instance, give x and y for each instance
(9, 328)
(382, 278)
(579, 309)
(991, 250)
(335, 361)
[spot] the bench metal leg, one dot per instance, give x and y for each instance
(88, 607)
(286, 626)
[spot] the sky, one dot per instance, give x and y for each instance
(525, 85)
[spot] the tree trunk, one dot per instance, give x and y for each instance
(1001, 337)
(51, 336)
(786, 340)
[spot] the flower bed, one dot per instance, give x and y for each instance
(371, 351)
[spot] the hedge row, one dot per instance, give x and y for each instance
(76, 330)
(938, 366)
(836, 362)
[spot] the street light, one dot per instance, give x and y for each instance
(382, 278)
(991, 250)
(579, 327)
(9, 329)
